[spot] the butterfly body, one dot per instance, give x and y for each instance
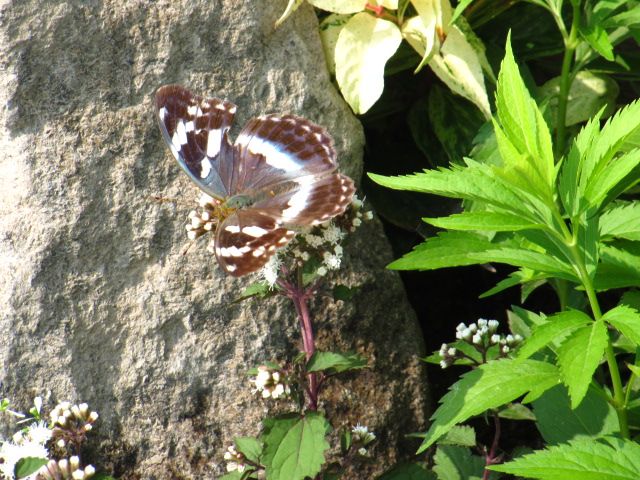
(277, 177)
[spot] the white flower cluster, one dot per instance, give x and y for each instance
(235, 460)
(270, 383)
(29, 443)
(361, 437)
(482, 336)
(65, 470)
(321, 243)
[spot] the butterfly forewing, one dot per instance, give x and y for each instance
(275, 148)
(278, 177)
(196, 130)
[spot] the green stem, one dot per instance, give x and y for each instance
(566, 78)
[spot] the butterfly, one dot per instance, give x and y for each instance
(278, 177)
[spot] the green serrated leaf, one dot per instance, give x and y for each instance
(28, 465)
(626, 320)
(611, 459)
(621, 221)
(409, 471)
(332, 362)
(556, 328)
(579, 356)
(250, 447)
(294, 446)
(619, 266)
(459, 435)
(605, 180)
(457, 463)
(489, 386)
(597, 38)
(488, 221)
(525, 128)
(453, 249)
(364, 45)
(559, 423)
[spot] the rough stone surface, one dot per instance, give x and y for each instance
(98, 302)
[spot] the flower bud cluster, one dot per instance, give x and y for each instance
(482, 336)
(204, 218)
(235, 460)
(71, 423)
(65, 469)
(270, 383)
(361, 437)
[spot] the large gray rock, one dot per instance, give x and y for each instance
(97, 301)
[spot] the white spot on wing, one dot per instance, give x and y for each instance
(233, 251)
(162, 113)
(205, 164)
(258, 252)
(231, 268)
(272, 152)
(214, 140)
(182, 133)
(192, 109)
(232, 228)
(298, 201)
(254, 231)
(190, 126)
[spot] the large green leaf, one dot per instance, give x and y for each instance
(626, 320)
(334, 362)
(453, 249)
(611, 459)
(579, 356)
(486, 221)
(294, 446)
(621, 221)
(250, 447)
(559, 423)
(605, 180)
(489, 386)
(475, 182)
(364, 45)
(525, 129)
(28, 465)
(457, 463)
(556, 328)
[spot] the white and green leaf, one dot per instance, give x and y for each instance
(340, 6)
(364, 45)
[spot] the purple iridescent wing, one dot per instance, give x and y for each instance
(196, 130)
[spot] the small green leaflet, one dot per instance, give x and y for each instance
(579, 356)
(455, 463)
(489, 386)
(294, 446)
(250, 447)
(489, 221)
(28, 465)
(619, 266)
(556, 328)
(459, 435)
(257, 289)
(621, 221)
(333, 362)
(626, 320)
(608, 459)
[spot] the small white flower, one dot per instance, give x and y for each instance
(39, 432)
(461, 326)
(362, 434)
(332, 262)
(495, 338)
(443, 350)
(493, 325)
(368, 215)
(482, 322)
(356, 202)
(322, 271)
(332, 234)
(270, 270)
(444, 364)
(357, 222)
(477, 339)
(313, 241)
(452, 352)
(362, 451)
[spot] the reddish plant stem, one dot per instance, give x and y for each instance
(491, 458)
(296, 292)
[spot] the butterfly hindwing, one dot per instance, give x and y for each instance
(247, 239)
